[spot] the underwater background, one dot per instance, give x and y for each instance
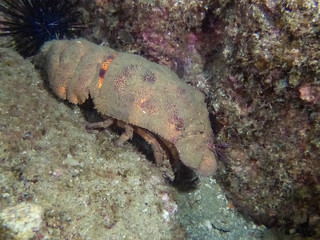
(257, 64)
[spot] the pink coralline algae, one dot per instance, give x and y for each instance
(310, 93)
(258, 63)
(162, 31)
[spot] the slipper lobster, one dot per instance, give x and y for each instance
(137, 95)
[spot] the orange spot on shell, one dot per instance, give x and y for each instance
(106, 64)
(61, 92)
(104, 67)
(100, 82)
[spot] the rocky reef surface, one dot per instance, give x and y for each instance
(258, 63)
(59, 181)
(85, 187)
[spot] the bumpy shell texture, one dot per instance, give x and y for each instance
(134, 90)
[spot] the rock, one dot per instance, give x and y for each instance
(21, 221)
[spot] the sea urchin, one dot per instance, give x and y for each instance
(33, 22)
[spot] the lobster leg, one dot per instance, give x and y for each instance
(103, 124)
(158, 151)
(125, 136)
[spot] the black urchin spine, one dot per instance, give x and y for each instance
(31, 23)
